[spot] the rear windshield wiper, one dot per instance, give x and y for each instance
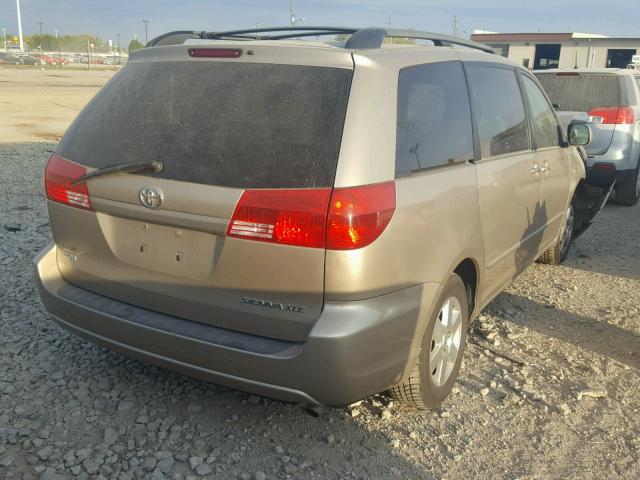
(130, 167)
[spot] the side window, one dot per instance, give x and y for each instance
(545, 126)
(434, 117)
(638, 80)
(499, 110)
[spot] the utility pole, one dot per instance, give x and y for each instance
(455, 26)
(4, 37)
(40, 22)
(20, 26)
(56, 32)
(146, 30)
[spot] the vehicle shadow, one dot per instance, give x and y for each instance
(237, 433)
(592, 334)
(610, 245)
(531, 239)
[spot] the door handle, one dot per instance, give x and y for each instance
(535, 169)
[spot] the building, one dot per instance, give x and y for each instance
(540, 51)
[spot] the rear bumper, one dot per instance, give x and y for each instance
(602, 174)
(355, 349)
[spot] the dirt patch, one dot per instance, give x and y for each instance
(40, 105)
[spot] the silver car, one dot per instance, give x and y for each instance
(609, 101)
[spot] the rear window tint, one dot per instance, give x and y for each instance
(581, 92)
(434, 117)
(241, 125)
(499, 110)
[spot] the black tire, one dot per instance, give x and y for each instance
(557, 254)
(421, 390)
(628, 191)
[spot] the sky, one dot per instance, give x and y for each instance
(105, 18)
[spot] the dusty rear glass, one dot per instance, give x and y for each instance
(239, 125)
(580, 92)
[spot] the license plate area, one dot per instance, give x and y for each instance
(159, 248)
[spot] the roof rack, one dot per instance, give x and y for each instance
(359, 38)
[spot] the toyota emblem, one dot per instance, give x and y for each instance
(151, 197)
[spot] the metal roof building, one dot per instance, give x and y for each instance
(562, 50)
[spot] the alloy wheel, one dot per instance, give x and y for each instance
(445, 341)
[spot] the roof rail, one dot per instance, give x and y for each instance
(438, 39)
(292, 32)
(173, 38)
(359, 38)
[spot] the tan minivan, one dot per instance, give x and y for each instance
(310, 221)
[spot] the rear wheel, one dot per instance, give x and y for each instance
(443, 344)
(558, 253)
(628, 191)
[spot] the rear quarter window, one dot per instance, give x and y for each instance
(580, 92)
(242, 125)
(434, 117)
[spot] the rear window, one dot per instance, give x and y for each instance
(241, 125)
(573, 92)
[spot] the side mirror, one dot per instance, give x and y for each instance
(579, 134)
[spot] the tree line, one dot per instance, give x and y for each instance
(69, 43)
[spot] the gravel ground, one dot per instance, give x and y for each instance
(550, 386)
(523, 408)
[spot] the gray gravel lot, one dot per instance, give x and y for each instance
(550, 386)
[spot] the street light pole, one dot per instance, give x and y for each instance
(146, 30)
(4, 37)
(58, 45)
(40, 22)
(20, 26)
(292, 15)
(115, 65)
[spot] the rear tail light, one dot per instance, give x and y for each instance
(339, 219)
(58, 176)
(357, 216)
(292, 217)
(611, 115)
(604, 166)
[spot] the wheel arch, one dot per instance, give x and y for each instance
(468, 271)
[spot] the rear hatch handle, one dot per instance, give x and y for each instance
(130, 167)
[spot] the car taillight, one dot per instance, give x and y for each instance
(58, 175)
(338, 219)
(358, 215)
(611, 115)
(292, 217)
